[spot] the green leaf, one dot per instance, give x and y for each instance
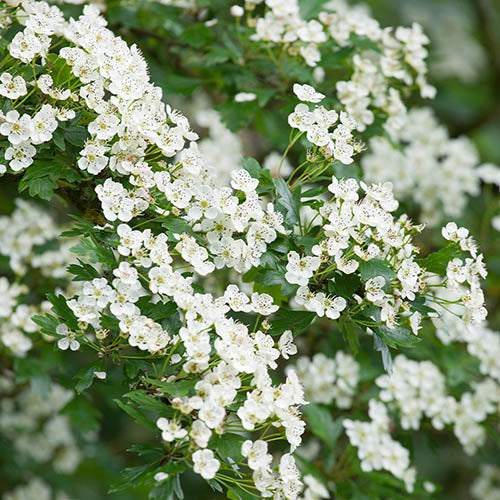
(96, 251)
(349, 331)
(76, 136)
(146, 401)
(322, 424)
(85, 377)
(176, 225)
(297, 321)
(158, 311)
(197, 35)
(163, 491)
(60, 307)
(109, 322)
(47, 322)
(272, 277)
(83, 272)
(437, 262)
(288, 203)
(177, 84)
(236, 115)
(397, 336)
(40, 179)
(179, 388)
(131, 476)
(228, 445)
(344, 285)
(376, 267)
(136, 415)
(58, 138)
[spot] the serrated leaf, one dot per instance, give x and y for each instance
(85, 377)
(297, 321)
(137, 416)
(47, 323)
(178, 388)
(437, 262)
(288, 203)
(76, 135)
(397, 336)
(145, 400)
(376, 267)
(131, 476)
(61, 308)
(228, 445)
(83, 272)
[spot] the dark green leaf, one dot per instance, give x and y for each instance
(297, 321)
(85, 377)
(60, 307)
(397, 336)
(228, 445)
(376, 267)
(179, 388)
(288, 203)
(437, 262)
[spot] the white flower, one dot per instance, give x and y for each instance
(170, 430)
(245, 97)
(306, 93)
(16, 127)
(12, 87)
(205, 464)
(68, 341)
(242, 180)
(300, 269)
(286, 345)
(257, 455)
(20, 156)
(237, 10)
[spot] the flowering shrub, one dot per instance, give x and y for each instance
(200, 285)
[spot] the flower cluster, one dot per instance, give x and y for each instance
(32, 423)
(428, 167)
(329, 379)
(316, 124)
(377, 450)
(418, 389)
(171, 245)
(487, 485)
(387, 54)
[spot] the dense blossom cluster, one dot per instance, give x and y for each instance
(377, 450)
(487, 485)
(393, 54)
(363, 229)
(24, 236)
(172, 216)
(329, 379)
(27, 238)
(242, 357)
(418, 389)
(455, 51)
(38, 433)
(430, 168)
